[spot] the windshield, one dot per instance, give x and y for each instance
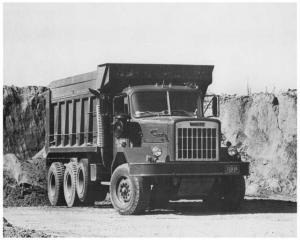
(182, 103)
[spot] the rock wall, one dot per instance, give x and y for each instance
(23, 120)
(24, 170)
(263, 126)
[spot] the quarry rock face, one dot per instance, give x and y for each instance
(24, 167)
(23, 120)
(263, 126)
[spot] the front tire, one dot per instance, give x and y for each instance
(129, 194)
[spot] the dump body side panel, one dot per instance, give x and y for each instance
(72, 122)
(73, 87)
(71, 115)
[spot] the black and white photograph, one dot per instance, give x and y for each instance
(149, 119)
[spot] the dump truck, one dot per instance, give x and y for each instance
(144, 133)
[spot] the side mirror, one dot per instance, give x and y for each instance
(119, 129)
(120, 125)
(95, 92)
(215, 106)
(211, 106)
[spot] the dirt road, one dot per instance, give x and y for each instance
(257, 218)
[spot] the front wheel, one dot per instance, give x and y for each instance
(129, 194)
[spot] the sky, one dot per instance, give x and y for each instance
(251, 45)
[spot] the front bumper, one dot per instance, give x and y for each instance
(189, 169)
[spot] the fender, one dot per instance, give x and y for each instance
(130, 155)
(137, 154)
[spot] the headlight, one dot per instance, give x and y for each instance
(156, 151)
(232, 151)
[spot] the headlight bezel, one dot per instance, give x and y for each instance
(232, 151)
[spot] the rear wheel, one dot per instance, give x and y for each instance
(70, 184)
(55, 184)
(129, 194)
(88, 193)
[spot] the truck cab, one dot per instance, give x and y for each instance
(158, 118)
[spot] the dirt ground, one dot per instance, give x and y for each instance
(257, 218)
(11, 231)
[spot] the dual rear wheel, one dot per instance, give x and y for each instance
(55, 184)
(88, 192)
(69, 185)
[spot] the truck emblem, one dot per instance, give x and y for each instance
(155, 133)
(201, 124)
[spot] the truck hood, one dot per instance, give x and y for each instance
(158, 128)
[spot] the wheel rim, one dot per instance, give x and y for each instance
(52, 184)
(68, 187)
(124, 191)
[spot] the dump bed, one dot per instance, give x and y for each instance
(72, 120)
(112, 78)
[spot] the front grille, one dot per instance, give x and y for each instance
(197, 143)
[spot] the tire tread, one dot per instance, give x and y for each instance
(58, 169)
(142, 192)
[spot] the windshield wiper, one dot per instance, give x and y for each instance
(151, 114)
(146, 114)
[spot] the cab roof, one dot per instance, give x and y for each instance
(157, 87)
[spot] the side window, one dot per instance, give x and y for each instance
(121, 105)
